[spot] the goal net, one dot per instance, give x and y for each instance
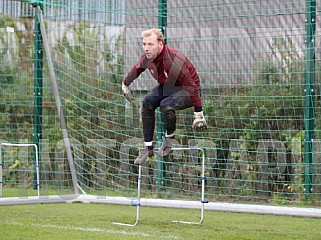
(257, 61)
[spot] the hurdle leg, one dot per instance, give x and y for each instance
(137, 203)
(203, 201)
(203, 187)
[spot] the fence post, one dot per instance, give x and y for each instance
(309, 95)
(162, 24)
(37, 94)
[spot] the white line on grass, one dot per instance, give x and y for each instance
(98, 230)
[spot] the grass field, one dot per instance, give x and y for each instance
(79, 221)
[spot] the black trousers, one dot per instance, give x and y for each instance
(169, 99)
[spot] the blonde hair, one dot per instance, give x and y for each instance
(158, 32)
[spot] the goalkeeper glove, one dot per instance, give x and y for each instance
(127, 93)
(199, 123)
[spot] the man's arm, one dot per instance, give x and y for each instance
(136, 70)
(134, 73)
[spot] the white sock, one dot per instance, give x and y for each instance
(148, 144)
(170, 136)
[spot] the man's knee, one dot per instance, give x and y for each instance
(169, 117)
(168, 112)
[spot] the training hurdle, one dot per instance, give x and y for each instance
(37, 184)
(137, 203)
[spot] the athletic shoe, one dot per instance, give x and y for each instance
(143, 155)
(166, 146)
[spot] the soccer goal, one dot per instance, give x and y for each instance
(62, 66)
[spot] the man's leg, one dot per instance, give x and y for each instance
(150, 102)
(177, 101)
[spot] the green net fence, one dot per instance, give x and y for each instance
(259, 95)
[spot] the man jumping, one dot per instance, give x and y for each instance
(178, 89)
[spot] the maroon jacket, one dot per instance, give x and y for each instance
(170, 67)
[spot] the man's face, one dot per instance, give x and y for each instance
(152, 47)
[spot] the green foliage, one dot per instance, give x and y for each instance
(272, 107)
(94, 69)
(16, 96)
(255, 112)
(9, 51)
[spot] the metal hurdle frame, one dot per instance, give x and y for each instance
(37, 163)
(203, 201)
(137, 203)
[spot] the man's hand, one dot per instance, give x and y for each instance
(199, 123)
(127, 93)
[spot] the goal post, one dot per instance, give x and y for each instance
(57, 98)
(36, 153)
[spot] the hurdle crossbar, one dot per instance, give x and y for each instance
(203, 201)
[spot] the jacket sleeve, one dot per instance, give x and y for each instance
(190, 82)
(183, 73)
(136, 70)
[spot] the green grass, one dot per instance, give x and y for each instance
(24, 191)
(95, 221)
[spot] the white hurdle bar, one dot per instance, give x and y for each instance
(37, 162)
(203, 201)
